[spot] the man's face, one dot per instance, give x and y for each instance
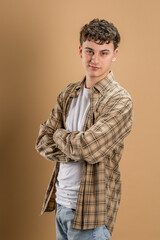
(97, 59)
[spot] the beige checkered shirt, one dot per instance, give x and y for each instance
(99, 146)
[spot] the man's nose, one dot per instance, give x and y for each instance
(95, 58)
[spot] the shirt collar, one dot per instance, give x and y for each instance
(102, 85)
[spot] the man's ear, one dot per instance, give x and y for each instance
(80, 50)
(115, 55)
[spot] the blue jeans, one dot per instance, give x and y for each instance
(64, 230)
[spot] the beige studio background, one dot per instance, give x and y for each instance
(39, 57)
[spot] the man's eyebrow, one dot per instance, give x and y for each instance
(104, 50)
(89, 48)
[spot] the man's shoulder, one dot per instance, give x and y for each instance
(70, 88)
(111, 88)
(116, 90)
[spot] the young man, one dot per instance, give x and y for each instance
(84, 135)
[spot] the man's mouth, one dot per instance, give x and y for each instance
(93, 67)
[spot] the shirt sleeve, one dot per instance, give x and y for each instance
(112, 126)
(45, 144)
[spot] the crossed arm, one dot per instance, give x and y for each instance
(45, 144)
(113, 125)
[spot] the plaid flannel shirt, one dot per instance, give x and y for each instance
(99, 146)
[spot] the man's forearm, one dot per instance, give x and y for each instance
(92, 145)
(46, 146)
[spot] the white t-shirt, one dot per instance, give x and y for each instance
(70, 174)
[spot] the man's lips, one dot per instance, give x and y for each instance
(94, 67)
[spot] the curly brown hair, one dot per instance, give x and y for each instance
(100, 31)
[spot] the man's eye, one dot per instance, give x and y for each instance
(89, 52)
(104, 53)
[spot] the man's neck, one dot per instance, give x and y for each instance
(91, 81)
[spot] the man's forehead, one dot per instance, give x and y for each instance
(99, 47)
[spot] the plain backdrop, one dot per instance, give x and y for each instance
(39, 57)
